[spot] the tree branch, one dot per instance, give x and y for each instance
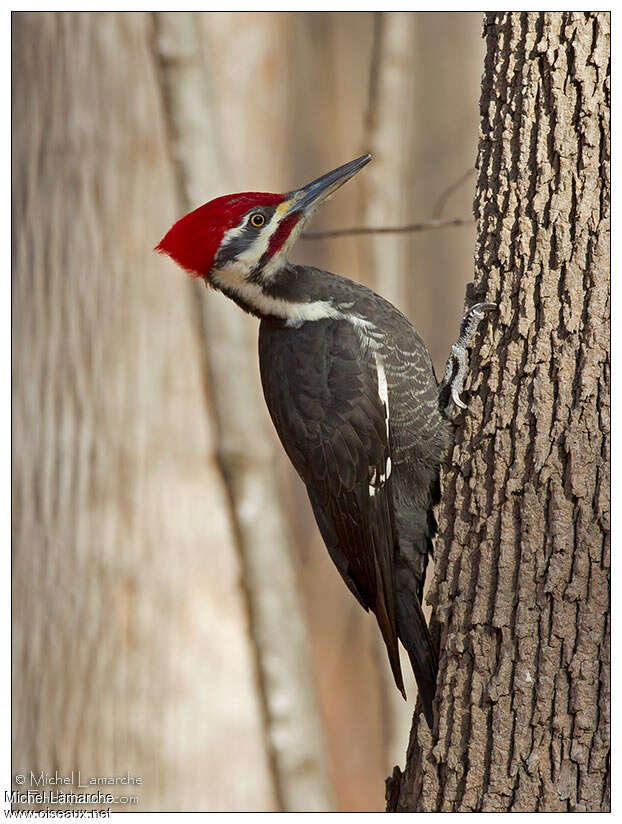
(422, 226)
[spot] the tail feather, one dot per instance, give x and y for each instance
(417, 527)
(413, 632)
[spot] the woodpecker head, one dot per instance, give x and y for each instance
(238, 242)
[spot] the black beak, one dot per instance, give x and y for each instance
(306, 199)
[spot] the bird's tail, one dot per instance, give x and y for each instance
(413, 632)
(417, 528)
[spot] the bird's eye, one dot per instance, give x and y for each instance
(257, 220)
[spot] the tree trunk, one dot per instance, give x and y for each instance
(389, 139)
(130, 632)
(521, 590)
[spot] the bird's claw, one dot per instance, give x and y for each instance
(457, 399)
(457, 363)
(471, 320)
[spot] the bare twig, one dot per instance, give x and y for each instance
(445, 195)
(422, 226)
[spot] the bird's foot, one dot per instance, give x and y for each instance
(457, 362)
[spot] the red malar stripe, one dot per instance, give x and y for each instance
(282, 233)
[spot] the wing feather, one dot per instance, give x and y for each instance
(331, 421)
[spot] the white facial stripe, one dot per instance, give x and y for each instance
(251, 256)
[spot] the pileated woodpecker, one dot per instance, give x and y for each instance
(352, 394)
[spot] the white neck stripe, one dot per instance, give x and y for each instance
(231, 279)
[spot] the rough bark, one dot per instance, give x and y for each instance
(201, 107)
(521, 590)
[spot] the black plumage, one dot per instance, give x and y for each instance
(370, 464)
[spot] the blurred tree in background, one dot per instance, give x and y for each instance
(175, 613)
